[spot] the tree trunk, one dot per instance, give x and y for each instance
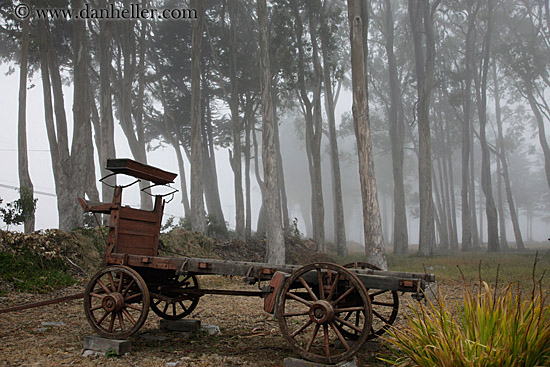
(338, 205)
(454, 233)
(234, 105)
(466, 132)
(504, 165)
(374, 242)
(25, 182)
(136, 142)
(248, 122)
(198, 217)
(313, 134)
(210, 175)
(421, 19)
(542, 132)
(280, 170)
(472, 197)
(397, 138)
(106, 133)
(275, 239)
(490, 207)
(261, 224)
(169, 127)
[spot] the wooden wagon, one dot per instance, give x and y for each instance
(325, 311)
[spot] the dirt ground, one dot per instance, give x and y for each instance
(53, 335)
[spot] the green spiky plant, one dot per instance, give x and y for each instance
(489, 329)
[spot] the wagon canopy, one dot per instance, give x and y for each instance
(139, 170)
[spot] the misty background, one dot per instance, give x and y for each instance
(518, 58)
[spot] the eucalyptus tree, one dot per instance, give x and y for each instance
(275, 238)
(374, 242)
(25, 182)
(390, 91)
(524, 51)
(71, 168)
(312, 112)
(481, 93)
(421, 14)
(332, 56)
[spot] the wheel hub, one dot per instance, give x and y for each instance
(321, 312)
(113, 302)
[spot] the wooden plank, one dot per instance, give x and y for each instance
(139, 215)
(140, 170)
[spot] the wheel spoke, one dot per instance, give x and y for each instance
(296, 313)
(299, 299)
(347, 323)
(96, 308)
(129, 305)
(349, 309)
(182, 306)
(111, 281)
(103, 286)
(302, 328)
(97, 295)
(327, 346)
(165, 308)
(346, 293)
(333, 287)
(182, 282)
(385, 304)
(174, 309)
(112, 323)
(132, 296)
(313, 335)
(339, 335)
(380, 316)
(125, 311)
(308, 288)
(120, 281)
(102, 318)
(121, 320)
(128, 287)
(321, 285)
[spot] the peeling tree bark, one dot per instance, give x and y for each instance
(25, 182)
(275, 239)
(374, 242)
(198, 218)
(397, 138)
(234, 105)
(421, 20)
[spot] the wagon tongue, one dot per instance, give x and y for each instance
(42, 303)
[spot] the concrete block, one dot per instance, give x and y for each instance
(210, 329)
(180, 325)
(295, 362)
(99, 344)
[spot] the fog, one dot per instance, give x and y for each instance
(519, 114)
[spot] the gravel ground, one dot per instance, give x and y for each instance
(249, 336)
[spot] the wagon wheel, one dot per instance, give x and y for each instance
(312, 301)
(175, 303)
(116, 301)
(385, 305)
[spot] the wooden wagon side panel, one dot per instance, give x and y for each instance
(138, 230)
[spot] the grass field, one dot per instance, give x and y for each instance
(513, 266)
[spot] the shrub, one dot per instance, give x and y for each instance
(490, 329)
(20, 210)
